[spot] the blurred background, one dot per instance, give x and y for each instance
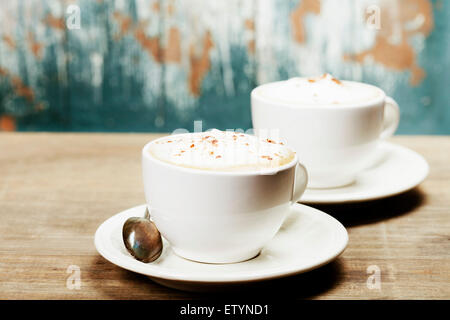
(155, 66)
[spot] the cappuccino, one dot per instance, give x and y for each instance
(323, 90)
(334, 125)
(221, 151)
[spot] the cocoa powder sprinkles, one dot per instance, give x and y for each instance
(222, 150)
(336, 80)
(321, 90)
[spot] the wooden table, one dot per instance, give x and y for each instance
(56, 189)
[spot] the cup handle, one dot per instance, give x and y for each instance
(301, 180)
(391, 118)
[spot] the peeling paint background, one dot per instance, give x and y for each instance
(141, 65)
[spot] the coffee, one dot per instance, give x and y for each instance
(221, 151)
(334, 125)
(323, 90)
(224, 211)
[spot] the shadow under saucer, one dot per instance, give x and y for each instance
(359, 213)
(301, 286)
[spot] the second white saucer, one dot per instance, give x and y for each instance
(308, 239)
(398, 169)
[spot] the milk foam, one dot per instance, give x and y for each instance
(319, 91)
(221, 151)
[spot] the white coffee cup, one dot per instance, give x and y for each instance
(334, 141)
(219, 216)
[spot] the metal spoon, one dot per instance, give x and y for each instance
(141, 238)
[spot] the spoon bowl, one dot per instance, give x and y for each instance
(142, 239)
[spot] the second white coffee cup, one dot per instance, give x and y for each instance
(334, 141)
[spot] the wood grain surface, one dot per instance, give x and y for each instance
(56, 189)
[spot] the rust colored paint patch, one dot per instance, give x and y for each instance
(173, 51)
(400, 55)
(411, 10)
(3, 72)
(125, 24)
(35, 47)
(251, 46)
(394, 56)
(150, 44)
(54, 22)
(249, 24)
(170, 9)
(9, 41)
(155, 6)
(22, 90)
(39, 106)
(7, 123)
(199, 64)
(303, 8)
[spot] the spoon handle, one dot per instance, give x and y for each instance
(147, 214)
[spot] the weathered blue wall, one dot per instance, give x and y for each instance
(141, 65)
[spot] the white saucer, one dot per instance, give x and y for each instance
(308, 239)
(397, 170)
